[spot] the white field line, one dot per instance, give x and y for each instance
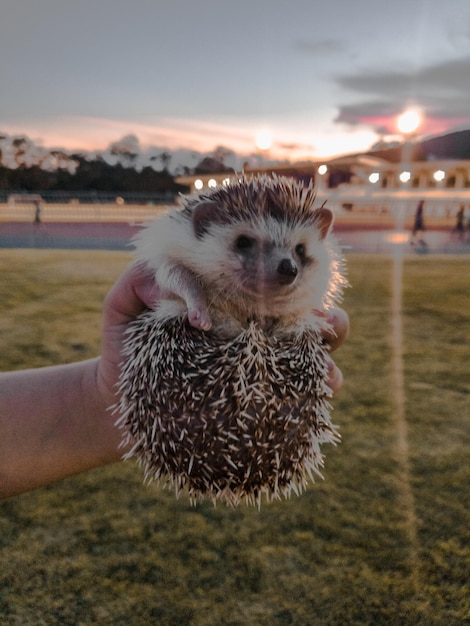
(398, 386)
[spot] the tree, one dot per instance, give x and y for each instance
(126, 149)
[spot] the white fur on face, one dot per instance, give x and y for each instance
(214, 260)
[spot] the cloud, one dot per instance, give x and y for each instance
(315, 47)
(93, 133)
(442, 91)
(296, 147)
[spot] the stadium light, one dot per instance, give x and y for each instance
(409, 121)
(405, 176)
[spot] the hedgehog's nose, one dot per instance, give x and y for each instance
(287, 271)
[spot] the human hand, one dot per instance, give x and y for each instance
(136, 291)
(339, 322)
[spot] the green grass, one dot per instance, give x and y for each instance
(104, 549)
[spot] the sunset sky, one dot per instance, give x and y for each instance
(320, 77)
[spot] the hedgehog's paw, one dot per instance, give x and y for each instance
(199, 318)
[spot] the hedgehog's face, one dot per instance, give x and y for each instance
(274, 257)
(265, 267)
(268, 262)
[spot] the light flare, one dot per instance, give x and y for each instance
(409, 121)
(264, 139)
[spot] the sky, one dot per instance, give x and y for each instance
(321, 77)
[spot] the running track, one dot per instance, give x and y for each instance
(118, 235)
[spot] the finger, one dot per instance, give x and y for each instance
(339, 321)
(133, 292)
(335, 376)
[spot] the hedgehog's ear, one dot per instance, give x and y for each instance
(323, 221)
(204, 214)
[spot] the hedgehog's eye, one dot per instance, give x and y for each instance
(300, 251)
(243, 242)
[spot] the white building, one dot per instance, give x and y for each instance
(367, 184)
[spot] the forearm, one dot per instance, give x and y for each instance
(53, 423)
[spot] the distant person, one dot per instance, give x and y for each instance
(37, 212)
(460, 225)
(418, 225)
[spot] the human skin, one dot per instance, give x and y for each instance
(55, 421)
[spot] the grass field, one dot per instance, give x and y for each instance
(383, 540)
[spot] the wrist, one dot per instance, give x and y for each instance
(100, 398)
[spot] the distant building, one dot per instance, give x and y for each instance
(369, 184)
(199, 182)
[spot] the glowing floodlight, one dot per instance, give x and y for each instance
(409, 121)
(198, 184)
(374, 177)
(405, 176)
(264, 139)
(439, 176)
(322, 170)
(212, 183)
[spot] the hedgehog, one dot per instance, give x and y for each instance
(223, 389)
